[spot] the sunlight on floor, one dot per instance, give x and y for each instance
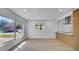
(20, 46)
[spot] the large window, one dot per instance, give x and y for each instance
(9, 29)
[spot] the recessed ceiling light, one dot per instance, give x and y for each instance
(60, 10)
(25, 10)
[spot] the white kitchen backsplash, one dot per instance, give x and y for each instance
(67, 28)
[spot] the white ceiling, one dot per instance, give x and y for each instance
(41, 13)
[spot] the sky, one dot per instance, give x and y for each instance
(6, 19)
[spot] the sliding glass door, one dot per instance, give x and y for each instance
(7, 29)
(10, 30)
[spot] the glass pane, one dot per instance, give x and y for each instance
(19, 29)
(7, 29)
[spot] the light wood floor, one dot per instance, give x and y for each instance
(43, 45)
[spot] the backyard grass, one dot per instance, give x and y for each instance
(7, 35)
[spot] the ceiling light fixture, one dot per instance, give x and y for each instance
(25, 10)
(60, 10)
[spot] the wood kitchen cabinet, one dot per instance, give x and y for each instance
(64, 37)
(72, 40)
(60, 36)
(68, 39)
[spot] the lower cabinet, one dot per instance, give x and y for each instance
(61, 37)
(68, 39)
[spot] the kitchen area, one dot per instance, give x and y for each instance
(67, 29)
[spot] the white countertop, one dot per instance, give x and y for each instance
(68, 33)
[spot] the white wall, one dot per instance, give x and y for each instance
(49, 30)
